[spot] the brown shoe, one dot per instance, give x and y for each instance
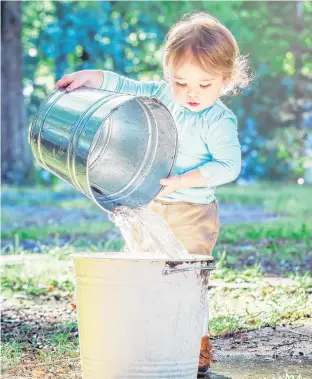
(205, 357)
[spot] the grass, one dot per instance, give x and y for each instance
(45, 232)
(231, 308)
(284, 228)
(281, 198)
(60, 357)
(234, 309)
(28, 278)
(76, 244)
(245, 301)
(55, 347)
(252, 303)
(10, 355)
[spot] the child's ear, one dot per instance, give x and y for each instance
(226, 81)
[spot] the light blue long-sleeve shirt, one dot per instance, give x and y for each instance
(207, 140)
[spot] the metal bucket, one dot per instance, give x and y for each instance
(114, 148)
(141, 317)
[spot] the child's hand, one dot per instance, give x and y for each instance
(87, 78)
(172, 184)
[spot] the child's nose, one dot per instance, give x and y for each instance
(191, 92)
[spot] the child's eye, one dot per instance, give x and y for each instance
(181, 84)
(206, 86)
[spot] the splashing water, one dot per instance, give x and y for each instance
(145, 232)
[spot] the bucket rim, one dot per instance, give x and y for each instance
(129, 257)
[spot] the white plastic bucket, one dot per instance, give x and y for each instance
(140, 317)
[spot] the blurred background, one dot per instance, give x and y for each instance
(264, 251)
(42, 41)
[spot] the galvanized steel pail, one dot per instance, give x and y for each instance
(112, 147)
(140, 317)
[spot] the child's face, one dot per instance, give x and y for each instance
(194, 88)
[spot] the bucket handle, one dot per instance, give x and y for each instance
(167, 270)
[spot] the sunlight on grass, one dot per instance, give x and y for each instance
(239, 307)
(36, 277)
(250, 302)
(232, 308)
(45, 232)
(276, 197)
(224, 324)
(10, 354)
(290, 228)
(64, 343)
(59, 356)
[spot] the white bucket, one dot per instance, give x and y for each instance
(140, 317)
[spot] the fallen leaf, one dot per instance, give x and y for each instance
(39, 373)
(52, 288)
(60, 371)
(12, 371)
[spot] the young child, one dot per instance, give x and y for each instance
(201, 62)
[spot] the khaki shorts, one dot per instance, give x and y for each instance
(195, 225)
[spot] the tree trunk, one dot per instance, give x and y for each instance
(16, 157)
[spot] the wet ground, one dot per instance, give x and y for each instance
(244, 368)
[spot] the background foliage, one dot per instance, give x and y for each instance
(275, 114)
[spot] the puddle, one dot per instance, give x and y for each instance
(261, 369)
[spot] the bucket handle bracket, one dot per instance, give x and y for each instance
(167, 270)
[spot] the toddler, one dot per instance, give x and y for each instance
(201, 62)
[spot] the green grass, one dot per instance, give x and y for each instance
(235, 309)
(10, 354)
(63, 343)
(291, 202)
(45, 232)
(290, 228)
(59, 354)
(222, 324)
(76, 244)
(36, 279)
(232, 308)
(282, 198)
(240, 307)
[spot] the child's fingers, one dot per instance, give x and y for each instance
(65, 81)
(164, 181)
(73, 86)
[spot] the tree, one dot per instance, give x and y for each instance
(16, 158)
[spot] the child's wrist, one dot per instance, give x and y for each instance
(95, 79)
(183, 182)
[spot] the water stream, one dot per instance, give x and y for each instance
(145, 232)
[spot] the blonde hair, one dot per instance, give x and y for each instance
(212, 47)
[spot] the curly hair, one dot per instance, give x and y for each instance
(211, 45)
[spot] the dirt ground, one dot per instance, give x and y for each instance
(32, 322)
(271, 342)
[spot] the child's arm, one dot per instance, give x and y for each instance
(118, 83)
(108, 80)
(223, 144)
